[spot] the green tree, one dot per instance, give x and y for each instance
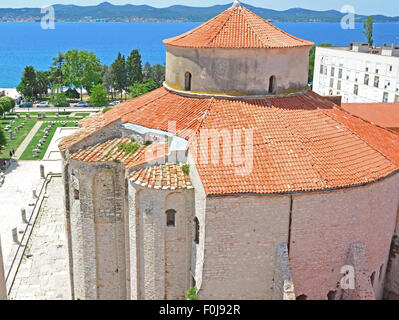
(139, 89)
(81, 69)
(147, 71)
(2, 108)
(158, 74)
(134, 68)
(58, 98)
(99, 96)
(56, 77)
(107, 79)
(42, 83)
(28, 82)
(312, 54)
(368, 29)
(7, 104)
(119, 75)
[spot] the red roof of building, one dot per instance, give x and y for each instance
(382, 114)
(167, 176)
(237, 27)
(301, 142)
(110, 151)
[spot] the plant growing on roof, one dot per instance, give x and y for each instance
(129, 147)
(192, 294)
(186, 169)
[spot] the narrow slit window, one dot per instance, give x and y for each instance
(76, 194)
(171, 218)
(187, 85)
(196, 230)
(272, 85)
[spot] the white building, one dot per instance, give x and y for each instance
(358, 73)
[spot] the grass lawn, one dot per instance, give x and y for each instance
(28, 153)
(84, 115)
(19, 137)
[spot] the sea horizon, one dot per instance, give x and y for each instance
(25, 43)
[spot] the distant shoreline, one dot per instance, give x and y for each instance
(160, 21)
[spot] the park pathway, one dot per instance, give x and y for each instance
(27, 140)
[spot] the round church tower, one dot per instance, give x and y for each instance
(237, 53)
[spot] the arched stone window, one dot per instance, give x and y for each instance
(272, 85)
(76, 195)
(187, 83)
(302, 297)
(196, 230)
(171, 218)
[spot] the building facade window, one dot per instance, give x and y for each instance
(272, 85)
(340, 73)
(332, 71)
(385, 97)
(396, 98)
(321, 69)
(171, 218)
(376, 82)
(339, 85)
(366, 79)
(187, 83)
(76, 194)
(356, 90)
(331, 82)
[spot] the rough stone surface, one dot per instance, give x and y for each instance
(241, 238)
(363, 287)
(325, 224)
(245, 71)
(283, 283)
(392, 277)
(3, 289)
(44, 273)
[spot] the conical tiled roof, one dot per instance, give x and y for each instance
(237, 27)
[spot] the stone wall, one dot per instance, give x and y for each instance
(241, 238)
(237, 71)
(325, 224)
(3, 288)
(97, 230)
(283, 283)
(162, 262)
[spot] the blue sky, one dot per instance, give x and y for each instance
(386, 7)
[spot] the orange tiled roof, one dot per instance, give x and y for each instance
(302, 142)
(109, 151)
(237, 28)
(382, 114)
(168, 176)
(150, 110)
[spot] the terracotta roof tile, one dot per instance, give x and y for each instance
(382, 114)
(237, 28)
(302, 142)
(168, 176)
(109, 151)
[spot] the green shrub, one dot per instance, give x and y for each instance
(106, 109)
(192, 294)
(129, 148)
(186, 169)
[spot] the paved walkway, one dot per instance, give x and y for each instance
(44, 270)
(53, 153)
(27, 140)
(16, 193)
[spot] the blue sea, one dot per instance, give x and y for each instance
(24, 44)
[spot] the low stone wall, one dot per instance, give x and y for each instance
(3, 289)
